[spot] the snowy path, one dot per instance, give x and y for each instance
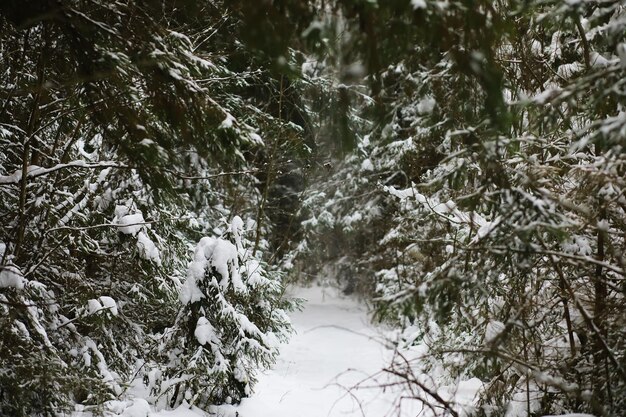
(334, 348)
(324, 371)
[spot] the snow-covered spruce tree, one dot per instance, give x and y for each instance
(523, 260)
(502, 252)
(230, 324)
(117, 122)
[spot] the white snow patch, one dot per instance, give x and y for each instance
(139, 408)
(147, 249)
(236, 228)
(109, 304)
(571, 415)
(323, 371)
(485, 228)
(93, 306)
(519, 405)
(212, 253)
(228, 122)
(131, 223)
(598, 60)
(426, 105)
(547, 95)
(11, 277)
(334, 349)
(463, 395)
(367, 165)
(101, 304)
(418, 4)
(205, 332)
(256, 138)
(404, 194)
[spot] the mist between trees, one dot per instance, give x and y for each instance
(167, 167)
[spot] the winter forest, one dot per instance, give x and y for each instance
(188, 187)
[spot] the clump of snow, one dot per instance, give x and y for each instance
(547, 95)
(426, 105)
(109, 377)
(404, 194)
(217, 254)
(131, 223)
(11, 277)
(354, 71)
(315, 26)
(519, 406)
(147, 249)
(11, 179)
(115, 406)
(236, 228)
(135, 224)
(103, 303)
(579, 245)
(309, 67)
(93, 306)
(418, 4)
(228, 122)
(225, 261)
(569, 70)
(603, 225)
(127, 220)
(485, 228)
(254, 274)
(205, 332)
(133, 407)
(353, 218)
(536, 47)
(554, 381)
(109, 303)
(367, 165)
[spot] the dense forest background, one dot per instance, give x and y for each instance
(166, 167)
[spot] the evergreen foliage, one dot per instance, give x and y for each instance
(483, 211)
(126, 131)
(229, 325)
(458, 163)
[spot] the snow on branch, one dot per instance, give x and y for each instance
(34, 171)
(97, 226)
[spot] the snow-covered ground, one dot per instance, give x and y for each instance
(331, 367)
(334, 350)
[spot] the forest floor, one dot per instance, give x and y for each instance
(331, 367)
(325, 370)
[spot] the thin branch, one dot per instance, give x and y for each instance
(35, 171)
(212, 176)
(97, 226)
